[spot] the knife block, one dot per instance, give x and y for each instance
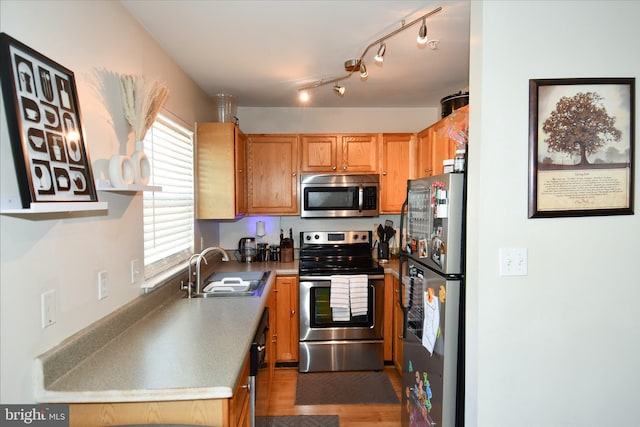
(286, 254)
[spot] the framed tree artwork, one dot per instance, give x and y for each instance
(581, 147)
(45, 129)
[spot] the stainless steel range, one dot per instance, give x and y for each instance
(343, 331)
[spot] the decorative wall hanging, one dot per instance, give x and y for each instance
(581, 147)
(142, 102)
(45, 129)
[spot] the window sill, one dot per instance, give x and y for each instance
(164, 277)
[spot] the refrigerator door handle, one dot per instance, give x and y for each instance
(403, 209)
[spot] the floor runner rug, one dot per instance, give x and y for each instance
(357, 387)
(299, 421)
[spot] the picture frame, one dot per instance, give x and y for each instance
(45, 127)
(581, 147)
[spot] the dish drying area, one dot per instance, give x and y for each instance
(221, 283)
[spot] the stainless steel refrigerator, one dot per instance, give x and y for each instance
(432, 296)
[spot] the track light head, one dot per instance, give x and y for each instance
(381, 50)
(422, 33)
(339, 90)
(363, 71)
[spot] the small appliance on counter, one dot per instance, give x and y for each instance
(262, 253)
(247, 249)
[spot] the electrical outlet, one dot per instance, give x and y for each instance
(513, 261)
(135, 271)
(48, 307)
(102, 285)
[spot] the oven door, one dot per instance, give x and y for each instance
(316, 320)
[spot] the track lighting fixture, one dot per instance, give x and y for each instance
(422, 34)
(353, 65)
(381, 50)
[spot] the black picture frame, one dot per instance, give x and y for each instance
(581, 147)
(45, 127)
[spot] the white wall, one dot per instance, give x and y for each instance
(558, 347)
(65, 252)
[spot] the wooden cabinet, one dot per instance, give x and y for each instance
(287, 319)
(396, 166)
(387, 320)
(393, 322)
(232, 412)
(339, 153)
(239, 406)
(220, 179)
(436, 145)
(398, 327)
(272, 182)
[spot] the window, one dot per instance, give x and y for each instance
(168, 214)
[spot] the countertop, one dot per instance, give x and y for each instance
(179, 349)
(183, 349)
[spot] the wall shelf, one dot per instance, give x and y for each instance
(9, 208)
(105, 185)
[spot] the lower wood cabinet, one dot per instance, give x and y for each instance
(398, 329)
(287, 319)
(393, 322)
(387, 320)
(233, 412)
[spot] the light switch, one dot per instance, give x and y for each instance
(513, 261)
(102, 285)
(48, 307)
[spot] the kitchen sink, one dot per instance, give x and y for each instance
(234, 284)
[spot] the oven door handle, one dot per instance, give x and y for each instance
(328, 278)
(360, 198)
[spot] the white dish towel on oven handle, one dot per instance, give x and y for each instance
(339, 298)
(359, 294)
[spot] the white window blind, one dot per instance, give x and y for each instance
(168, 214)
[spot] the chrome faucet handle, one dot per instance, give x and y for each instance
(189, 286)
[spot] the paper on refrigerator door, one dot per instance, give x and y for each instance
(431, 322)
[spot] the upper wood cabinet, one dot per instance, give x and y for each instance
(339, 153)
(435, 144)
(272, 181)
(220, 179)
(396, 167)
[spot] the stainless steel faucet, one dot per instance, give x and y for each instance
(201, 256)
(189, 284)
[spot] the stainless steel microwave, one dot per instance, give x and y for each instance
(334, 195)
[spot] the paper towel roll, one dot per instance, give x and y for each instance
(260, 228)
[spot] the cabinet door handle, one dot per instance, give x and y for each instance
(384, 173)
(334, 168)
(293, 174)
(344, 167)
(293, 312)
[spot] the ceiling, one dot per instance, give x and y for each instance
(264, 51)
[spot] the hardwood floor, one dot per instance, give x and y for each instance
(283, 395)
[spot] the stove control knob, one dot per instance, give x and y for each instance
(308, 237)
(317, 236)
(355, 237)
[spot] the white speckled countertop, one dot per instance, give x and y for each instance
(184, 349)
